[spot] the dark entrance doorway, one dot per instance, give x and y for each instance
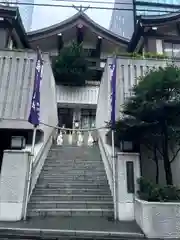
(65, 117)
(5, 139)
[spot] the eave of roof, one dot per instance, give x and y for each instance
(12, 13)
(150, 21)
(82, 16)
(159, 19)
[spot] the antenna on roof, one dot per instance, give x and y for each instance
(81, 8)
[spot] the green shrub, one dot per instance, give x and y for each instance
(151, 192)
(70, 67)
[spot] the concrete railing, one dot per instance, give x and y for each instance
(102, 117)
(39, 159)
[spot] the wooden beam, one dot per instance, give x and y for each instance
(80, 33)
(155, 34)
(60, 42)
(178, 28)
(98, 47)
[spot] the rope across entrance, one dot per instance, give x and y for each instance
(75, 136)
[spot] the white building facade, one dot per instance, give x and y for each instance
(78, 104)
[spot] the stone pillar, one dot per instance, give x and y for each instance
(13, 186)
(128, 167)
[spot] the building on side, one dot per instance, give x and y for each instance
(123, 21)
(157, 34)
(79, 103)
(26, 11)
(13, 35)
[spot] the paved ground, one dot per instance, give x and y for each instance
(79, 227)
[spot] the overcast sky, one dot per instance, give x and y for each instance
(45, 16)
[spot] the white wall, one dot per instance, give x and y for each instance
(125, 200)
(128, 70)
(13, 185)
(17, 69)
(77, 95)
(16, 85)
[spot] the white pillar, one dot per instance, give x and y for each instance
(159, 46)
(125, 200)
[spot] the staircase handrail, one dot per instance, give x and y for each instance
(32, 166)
(104, 150)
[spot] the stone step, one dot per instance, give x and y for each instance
(70, 212)
(70, 155)
(72, 168)
(60, 159)
(70, 171)
(79, 179)
(94, 159)
(72, 178)
(64, 174)
(67, 197)
(75, 148)
(81, 149)
(71, 204)
(73, 185)
(73, 164)
(71, 191)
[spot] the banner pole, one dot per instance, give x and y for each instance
(114, 175)
(30, 171)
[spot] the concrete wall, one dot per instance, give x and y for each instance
(16, 85)
(158, 220)
(17, 69)
(125, 200)
(13, 185)
(128, 71)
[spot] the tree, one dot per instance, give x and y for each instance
(155, 101)
(70, 67)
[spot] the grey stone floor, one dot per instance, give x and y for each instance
(81, 227)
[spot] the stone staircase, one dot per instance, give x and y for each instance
(72, 183)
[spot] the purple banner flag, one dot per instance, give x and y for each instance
(34, 116)
(113, 93)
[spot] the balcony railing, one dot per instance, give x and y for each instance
(77, 95)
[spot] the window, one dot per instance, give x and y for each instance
(172, 49)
